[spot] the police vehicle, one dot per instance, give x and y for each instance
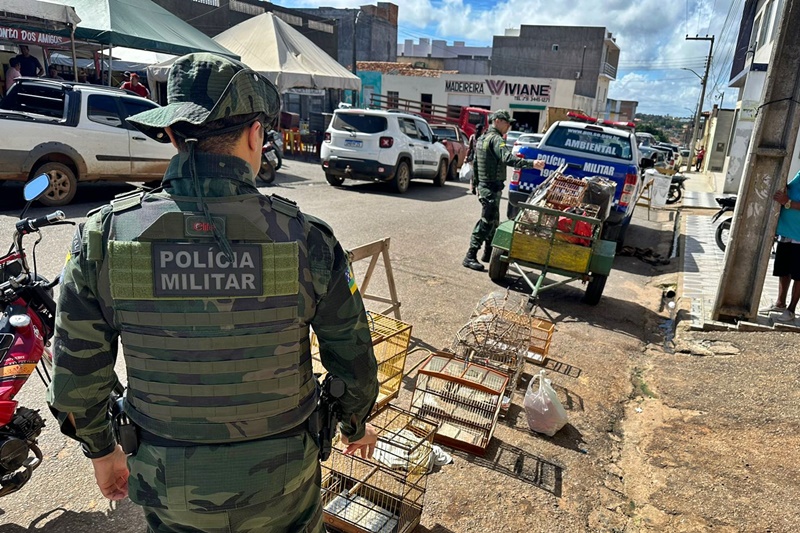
(591, 150)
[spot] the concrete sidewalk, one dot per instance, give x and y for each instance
(703, 260)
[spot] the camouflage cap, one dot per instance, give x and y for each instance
(202, 88)
(502, 114)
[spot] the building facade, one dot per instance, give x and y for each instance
(437, 54)
(757, 32)
(368, 33)
(526, 98)
(589, 56)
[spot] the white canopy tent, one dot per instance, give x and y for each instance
(286, 57)
(41, 10)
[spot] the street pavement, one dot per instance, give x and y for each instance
(593, 352)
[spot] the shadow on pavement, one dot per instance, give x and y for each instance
(518, 464)
(421, 189)
(88, 196)
(60, 520)
(438, 528)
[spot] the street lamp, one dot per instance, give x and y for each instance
(693, 72)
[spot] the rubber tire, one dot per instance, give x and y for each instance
(267, 172)
(497, 267)
(594, 290)
(402, 178)
(64, 180)
(452, 171)
(279, 164)
(723, 226)
(336, 181)
(441, 174)
(674, 195)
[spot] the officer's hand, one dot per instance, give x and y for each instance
(365, 445)
(539, 164)
(111, 473)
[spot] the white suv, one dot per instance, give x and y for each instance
(373, 145)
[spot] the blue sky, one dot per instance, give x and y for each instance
(650, 33)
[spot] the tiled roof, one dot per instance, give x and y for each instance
(401, 69)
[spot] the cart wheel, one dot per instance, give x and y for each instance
(594, 290)
(497, 267)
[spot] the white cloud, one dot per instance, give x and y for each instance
(650, 33)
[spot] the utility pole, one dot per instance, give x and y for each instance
(768, 161)
(702, 93)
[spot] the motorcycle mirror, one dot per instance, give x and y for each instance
(36, 187)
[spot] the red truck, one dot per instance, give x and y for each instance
(466, 118)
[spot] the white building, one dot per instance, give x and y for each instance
(757, 32)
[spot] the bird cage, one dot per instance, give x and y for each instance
(384, 494)
(390, 340)
(463, 397)
(492, 341)
(510, 307)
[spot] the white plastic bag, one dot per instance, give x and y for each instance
(543, 409)
(465, 172)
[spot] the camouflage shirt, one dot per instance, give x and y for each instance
(493, 156)
(86, 339)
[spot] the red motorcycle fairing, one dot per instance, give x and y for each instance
(21, 349)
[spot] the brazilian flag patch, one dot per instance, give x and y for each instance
(351, 279)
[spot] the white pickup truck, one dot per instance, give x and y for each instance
(75, 132)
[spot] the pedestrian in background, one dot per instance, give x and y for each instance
(473, 139)
(701, 153)
(29, 65)
(787, 253)
(52, 73)
(12, 73)
(126, 77)
(211, 287)
(492, 156)
(136, 87)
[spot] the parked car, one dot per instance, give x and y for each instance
(74, 133)
(456, 142)
(684, 157)
(376, 145)
(531, 140)
(512, 136)
(658, 157)
(592, 150)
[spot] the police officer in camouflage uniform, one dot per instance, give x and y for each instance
(211, 287)
(493, 156)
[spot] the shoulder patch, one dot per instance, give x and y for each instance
(319, 224)
(284, 205)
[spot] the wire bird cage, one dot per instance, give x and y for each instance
(511, 307)
(390, 341)
(565, 192)
(464, 398)
(384, 494)
(495, 342)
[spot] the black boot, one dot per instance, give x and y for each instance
(471, 261)
(487, 253)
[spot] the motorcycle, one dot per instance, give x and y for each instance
(26, 326)
(275, 144)
(676, 188)
(266, 173)
(727, 204)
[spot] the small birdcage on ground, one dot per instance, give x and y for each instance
(384, 494)
(390, 341)
(493, 341)
(511, 307)
(463, 397)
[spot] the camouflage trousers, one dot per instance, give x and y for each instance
(490, 217)
(266, 486)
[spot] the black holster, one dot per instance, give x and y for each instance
(125, 431)
(328, 413)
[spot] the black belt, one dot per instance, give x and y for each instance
(156, 440)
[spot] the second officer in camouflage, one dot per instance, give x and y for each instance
(493, 156)
(211, 287)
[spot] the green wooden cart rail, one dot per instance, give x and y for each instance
(533, 240)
